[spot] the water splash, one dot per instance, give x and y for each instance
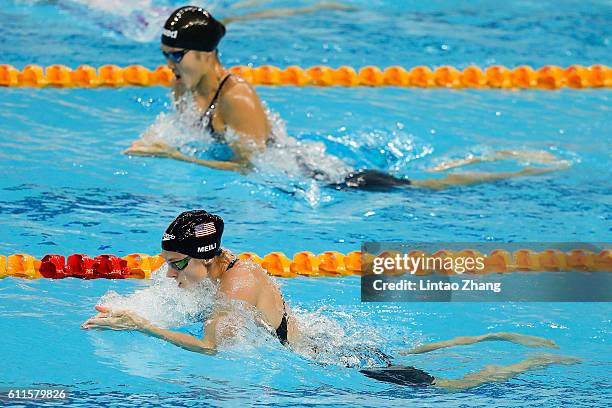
(180, 126)
(163, 303)
(288, 160)
(298, 159)
(340, 340)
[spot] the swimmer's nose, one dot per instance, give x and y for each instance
(171, 273)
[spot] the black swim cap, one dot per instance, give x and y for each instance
(195, 233)
(192, 28)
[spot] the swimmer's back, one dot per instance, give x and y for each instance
(249, 282)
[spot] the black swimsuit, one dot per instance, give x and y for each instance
(281, 331)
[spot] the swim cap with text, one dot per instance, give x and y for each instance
(192, 28)
(194, 233)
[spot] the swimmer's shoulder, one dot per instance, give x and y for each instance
(242, 281)
(242, 110)
(238, 92)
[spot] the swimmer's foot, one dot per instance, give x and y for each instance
(545, 359)
(529, 341)
(288, 12)
(532, 156)
(525, 340)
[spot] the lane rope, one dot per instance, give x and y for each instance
(492, 77)
(304, 263)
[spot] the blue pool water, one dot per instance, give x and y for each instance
(65, 188)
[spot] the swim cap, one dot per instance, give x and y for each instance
(192, 28)
(195, 233)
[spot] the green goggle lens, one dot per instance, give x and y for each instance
(180, 264)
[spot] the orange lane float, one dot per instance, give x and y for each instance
(306, 263)
(548, 77)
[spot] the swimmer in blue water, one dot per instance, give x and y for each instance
(192, 249)
(191, 246)
(227, 103)
(189, 43)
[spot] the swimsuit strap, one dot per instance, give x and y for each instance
(214, 99)
(231, 264)
(213, 105)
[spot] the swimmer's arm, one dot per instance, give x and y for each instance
(108, 319)
(239, 166)
(183, 340)
(216, 328)
(160, 149)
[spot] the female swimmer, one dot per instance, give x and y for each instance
(192, 249)
(189, 43)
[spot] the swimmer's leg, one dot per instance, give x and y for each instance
(286, 12)
(523, 339)
(500, 373)
(464, 179)
(532, 156)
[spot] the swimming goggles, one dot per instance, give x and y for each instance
(180, 264)
(175, 56)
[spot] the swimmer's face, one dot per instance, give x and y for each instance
(192, 66)
(189, 274)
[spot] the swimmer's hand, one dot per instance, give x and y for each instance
(109, 319)
(156, 149)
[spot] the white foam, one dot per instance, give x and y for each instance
(338, 339)
(163, 303)
(166, 305)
